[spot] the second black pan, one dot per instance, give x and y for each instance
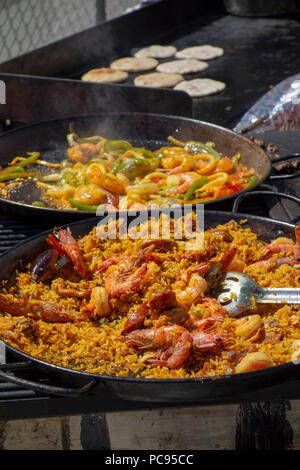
(149, 130)
(149, 390)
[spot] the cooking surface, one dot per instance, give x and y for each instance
(258, 53)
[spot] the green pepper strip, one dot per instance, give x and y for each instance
(149, 160)
(117, 145)
(12, 176)
(19, 167)
(11, 169)
(39, 204)
(252, 181)
(127, 166)
(200, 146)
(116, 167)
(194, 186)
(33, 157)
(146, 153)
(236, 158)
(83, 207)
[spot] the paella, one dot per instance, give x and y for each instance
(145, 308)
(99, 173)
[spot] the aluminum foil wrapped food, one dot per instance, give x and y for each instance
(277, 110)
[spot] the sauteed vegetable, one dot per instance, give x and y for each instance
(114, 174)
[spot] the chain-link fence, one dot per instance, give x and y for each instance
(115, 8)
(26, 25)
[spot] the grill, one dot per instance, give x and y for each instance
(39, 89)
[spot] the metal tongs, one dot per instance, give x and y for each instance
(238, 290)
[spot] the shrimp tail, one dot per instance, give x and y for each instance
(136, 319)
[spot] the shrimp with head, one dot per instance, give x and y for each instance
(191, 285)
(125, 278)
(64, 242)
(159, 302)
(37, 310)
(172, 344)
(284, 244)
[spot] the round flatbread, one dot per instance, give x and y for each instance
(104, 75)
(204, 52)
(201, 87)
(182, 66)
(134, 64)
(156, 51)
(158, 80)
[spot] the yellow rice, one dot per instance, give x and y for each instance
(94, 345)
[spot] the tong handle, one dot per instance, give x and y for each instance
(280, 295)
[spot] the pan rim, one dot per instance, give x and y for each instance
(105, 378)
(72, 212)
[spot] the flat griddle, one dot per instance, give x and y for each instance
(259, 53)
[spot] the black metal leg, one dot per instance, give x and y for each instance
(94, 432)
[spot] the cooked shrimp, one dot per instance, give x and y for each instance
(250, 328)
(89, 194)
(70, 290)
(204, 341)
(224, 234)
(236, 265)
(200, 269)
(159, 302)
(158, 244)
(183, 180)
(107, 182)
(216, 315)
(38, 310)
(193, 292)
(124, 279)
(284, 244)
(272, 263)
(162, 301)
(117, 259)
(267, 264)
(82, 152)
(99, 304)
(200, 255)
(225, 164)
(227, 258)
(190, 285)
(12, 331)
(177, 160)
(136, 319)
(172, 344)
(253, 361)
(69, 246)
